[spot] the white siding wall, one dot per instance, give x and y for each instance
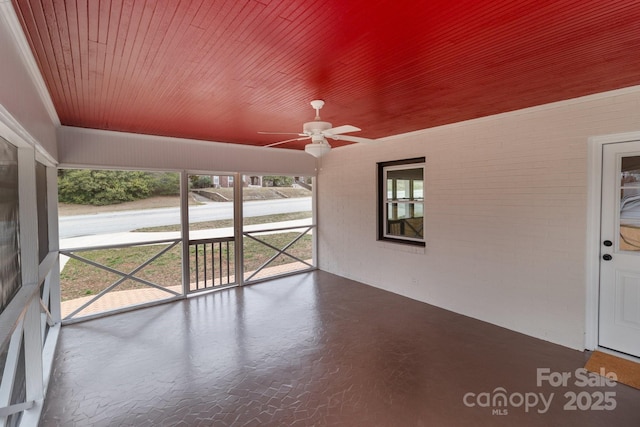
(506, 209)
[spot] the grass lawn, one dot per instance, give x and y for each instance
(253, 193)
(224, 223)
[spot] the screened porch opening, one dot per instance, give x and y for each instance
(136, 238)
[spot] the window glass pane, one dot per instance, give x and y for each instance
(392, 209)
(405, 220)
(630, 204)
(418, 190)
(407, 174)
(418, 210)
(404, 181)
(43, 211)
(403, 210)
(10, 273)
(402, 191)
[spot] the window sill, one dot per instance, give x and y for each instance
(401, 247)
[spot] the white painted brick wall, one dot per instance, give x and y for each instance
(506, 209)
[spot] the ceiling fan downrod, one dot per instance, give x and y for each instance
(317, 104)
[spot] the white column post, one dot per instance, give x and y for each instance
(29, 260)
(314, 220)
(237, 229)
(54, 242)
(184, 223)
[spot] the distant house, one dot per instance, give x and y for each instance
(226, 181)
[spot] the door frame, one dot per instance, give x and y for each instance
(594, 205)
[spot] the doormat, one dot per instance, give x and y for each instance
(628, 372)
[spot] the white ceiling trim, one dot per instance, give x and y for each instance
(20, 41)
(12, 131)
(529, 110)
(100, 149)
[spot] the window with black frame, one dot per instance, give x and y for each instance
(10, 273)
(401, 201)
(43, 211)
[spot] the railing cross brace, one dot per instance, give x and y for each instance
(125, 276)
(282, 251)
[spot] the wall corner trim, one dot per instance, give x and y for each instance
(12, 22)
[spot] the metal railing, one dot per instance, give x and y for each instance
(211, 263)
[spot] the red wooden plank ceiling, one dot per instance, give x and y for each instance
(221, 70)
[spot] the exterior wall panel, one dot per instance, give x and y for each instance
(505, 209)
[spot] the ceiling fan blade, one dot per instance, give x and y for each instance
(281, 133)
(287, 140)
(351, 138)
(341, 129)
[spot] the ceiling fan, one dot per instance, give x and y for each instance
(319, 131)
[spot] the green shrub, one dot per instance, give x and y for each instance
(277, 181)
(200, 181)
(165, 183)
(99, 187)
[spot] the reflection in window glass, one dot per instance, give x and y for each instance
(10, 274)
(43, 211)
(418, 191)
(630, 204)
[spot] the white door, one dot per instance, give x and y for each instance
(619, 325)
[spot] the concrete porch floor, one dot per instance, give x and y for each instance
(314, 349)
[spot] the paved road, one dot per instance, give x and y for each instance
(115, 222)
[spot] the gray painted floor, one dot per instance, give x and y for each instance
(317, 349)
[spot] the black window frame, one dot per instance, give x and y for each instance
(43, 211)
(382, 213)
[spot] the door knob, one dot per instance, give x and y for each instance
(607, 257)
(607, 243)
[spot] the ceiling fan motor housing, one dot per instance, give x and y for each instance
(318, 131)
(315, 127)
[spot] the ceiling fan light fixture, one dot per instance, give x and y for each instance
(317, 150)
(318, 131)
(315, 127)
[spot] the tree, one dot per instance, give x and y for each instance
(200, 181)
(165, 183)
(99, 187)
